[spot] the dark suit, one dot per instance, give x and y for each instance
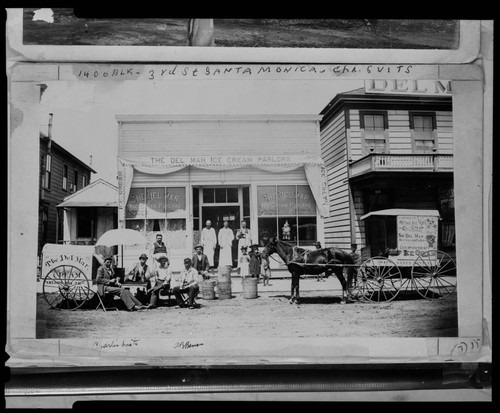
(201, 264)
(105, 285)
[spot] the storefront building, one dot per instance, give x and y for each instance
(388, 146)
(177, 172)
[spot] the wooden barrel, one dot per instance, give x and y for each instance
(249, 287)
(208, 290)
(225, 272)
(224, 288)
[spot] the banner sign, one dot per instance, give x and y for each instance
(409, 87)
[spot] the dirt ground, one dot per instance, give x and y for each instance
(67, 29)
(270, 315)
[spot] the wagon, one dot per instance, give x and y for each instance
(66, 275)
(411, 264)
(68, 270)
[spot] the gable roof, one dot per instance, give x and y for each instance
(99, 193)
(55, 145)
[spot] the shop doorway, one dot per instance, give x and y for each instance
(217, 214)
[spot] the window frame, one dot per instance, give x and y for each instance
(47, 174)
(362, 127)
(297, 217)
(65, 177)
(432, 115)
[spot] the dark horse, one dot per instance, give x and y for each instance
(303, 261)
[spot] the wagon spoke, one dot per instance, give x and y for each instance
(55, 299)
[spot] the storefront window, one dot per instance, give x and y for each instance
(158, 210)
(288, 212)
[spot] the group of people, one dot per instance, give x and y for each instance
(209, 240)
(158, 278)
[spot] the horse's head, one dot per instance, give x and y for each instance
(270, 247)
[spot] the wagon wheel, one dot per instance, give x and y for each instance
(66, 287)
(378, 280)
(434, 275)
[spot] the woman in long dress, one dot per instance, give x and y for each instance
(243, 237)
(225, 239)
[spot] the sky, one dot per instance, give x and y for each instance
(84, 120)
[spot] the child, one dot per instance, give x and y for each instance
(244, 263)
(254, 266)
(265, 270)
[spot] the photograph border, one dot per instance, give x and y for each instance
(24, 349)
(468, 50)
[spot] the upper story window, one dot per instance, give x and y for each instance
(65, 177)
(423, 128)
(76, 181)
(84, 181)
(47, 175)
(374, 131)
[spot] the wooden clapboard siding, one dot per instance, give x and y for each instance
(52, 197)
(227, 137)
(444, 122)
(334, 153)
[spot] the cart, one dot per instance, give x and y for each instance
(413, 264)
(67, 275)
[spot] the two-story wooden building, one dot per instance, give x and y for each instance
(177, 172)
(387, 147)
(61, 173)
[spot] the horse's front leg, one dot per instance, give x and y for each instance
(342, 280)
(294, 298)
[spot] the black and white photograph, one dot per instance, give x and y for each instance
(232, 213)
(305, 208)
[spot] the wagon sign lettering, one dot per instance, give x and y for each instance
(82, 262)
(416, 234)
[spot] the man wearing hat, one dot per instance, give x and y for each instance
(107, 283)
(159, 279)
(139, 272)
(189, 284)
(254, 266)
(201, 262)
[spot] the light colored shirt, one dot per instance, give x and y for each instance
(226, 237)
(189, 277)
(208, 237)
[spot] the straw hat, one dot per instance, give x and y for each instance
(161, 256)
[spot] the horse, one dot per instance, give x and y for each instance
(314, 260)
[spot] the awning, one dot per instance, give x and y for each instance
(313, 165)
(96, 203)
(402, 211)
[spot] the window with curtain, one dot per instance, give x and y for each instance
(158, 209)
(423, 127)
(374, 131)
(287, 212)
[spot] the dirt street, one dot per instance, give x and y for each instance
(320, 314)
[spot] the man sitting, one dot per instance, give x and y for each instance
(188, 284)
(159, 280)
(139, 272)
(201, 262)
(107, 283)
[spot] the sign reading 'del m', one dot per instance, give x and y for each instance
(408, 87)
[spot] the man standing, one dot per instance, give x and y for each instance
(107, 283)
(200, 262)
(189, 284)
(209, 241)
(243, 237)
(226, 238)
(158, 248)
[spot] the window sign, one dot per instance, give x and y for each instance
(136, 204)
(155, 202)
(176, 199)
(286, 200)
(266, 201)
(305, 201)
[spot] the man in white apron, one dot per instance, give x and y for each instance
(209, 242)
(226, 238)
